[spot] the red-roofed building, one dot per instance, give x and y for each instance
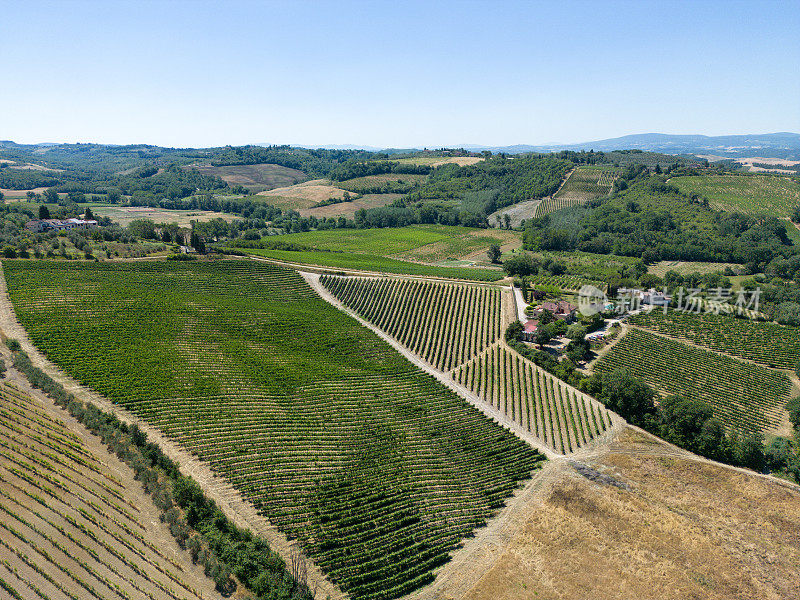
(529, 331)
(561, 309)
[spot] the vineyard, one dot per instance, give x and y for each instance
(456, 329)
(565, 282)
(742, 394)
(559, 415)
(376, 468)
(445, 324)
(581, 186)
(70, 526)
(770, 194)
(769, 344)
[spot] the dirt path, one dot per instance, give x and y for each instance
(489, 411)
(230, 501)
(624, 328)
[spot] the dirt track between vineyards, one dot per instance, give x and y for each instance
(241, 512)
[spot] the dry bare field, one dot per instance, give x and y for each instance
(684, 268)
(125, 214)
(516, 212)
(438, 161)
(303, 195)
(679, 527)
(73, 521)
(255, 178)
(348, 209)
(20, 194)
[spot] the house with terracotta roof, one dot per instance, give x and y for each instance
(560, 309)
(529, 331)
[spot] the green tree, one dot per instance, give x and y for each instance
(50, 196)
(628, 396)
(576, 332)
(494, 253)
(682, 420)
(44, 212)
(543, 335)
(749, 451)
(197, 243)
(521, 265)
(143, 229)
(796, 214)
(88, 214)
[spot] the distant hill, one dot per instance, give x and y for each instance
(768, 145)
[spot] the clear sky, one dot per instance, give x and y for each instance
(394, 73)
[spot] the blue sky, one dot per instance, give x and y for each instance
(394, 73)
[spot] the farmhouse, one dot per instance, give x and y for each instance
(529, 331)
(561, 309)
(38, 225)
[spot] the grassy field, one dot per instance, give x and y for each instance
(742, 394)
(378, 264)
(369, 183)
(587, 265)
(685, 268)
(377, 469)
(125, 214)
(424, 243)
(773, 195)
(255, 178)
(74, 522)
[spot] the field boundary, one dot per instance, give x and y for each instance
(241, 512)
(320, 270)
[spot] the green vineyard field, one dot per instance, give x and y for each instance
(565, 282)
(560, 416)
(742, 394)
(581, 186)
(445, 324)
(375, 467)
(770, 344)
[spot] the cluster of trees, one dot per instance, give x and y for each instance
(514, 180)
(357, 168)
(689, 423)
(796, 214)
(655, 221)
(225, 550)
(316, 163)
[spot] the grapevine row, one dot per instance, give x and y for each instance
(560, 416)
(446, 324)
